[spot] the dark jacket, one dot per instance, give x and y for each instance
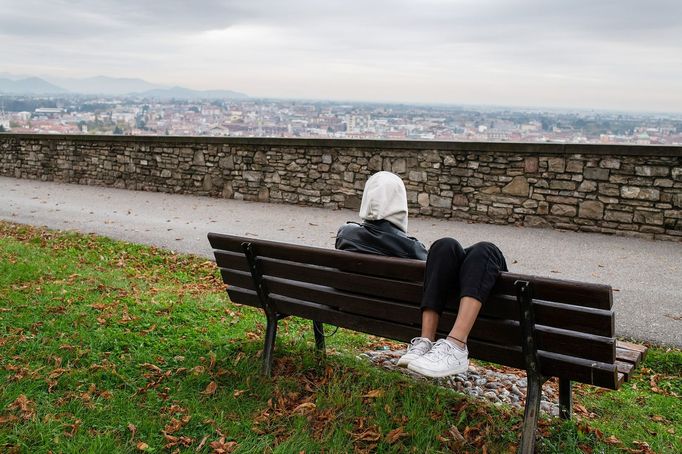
(380, 238)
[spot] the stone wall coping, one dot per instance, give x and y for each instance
(500, 147)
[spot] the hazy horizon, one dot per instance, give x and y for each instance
(610, 56)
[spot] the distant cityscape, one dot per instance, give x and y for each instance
(250, 117)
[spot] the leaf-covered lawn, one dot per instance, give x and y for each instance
(113, 347)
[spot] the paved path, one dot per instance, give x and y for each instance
(646, 275)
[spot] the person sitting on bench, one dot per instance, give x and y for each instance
(384, 228)
(452, 274)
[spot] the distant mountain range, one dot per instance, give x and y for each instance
(102, 85)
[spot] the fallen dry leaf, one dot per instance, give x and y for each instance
(373, 394)
(210, 389)
(612, 440)
(222, 447)
(395, 435)
(304, 408)
(133, 431)
(142, 446)
(202, 443)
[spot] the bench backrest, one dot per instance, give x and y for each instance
(574, 322)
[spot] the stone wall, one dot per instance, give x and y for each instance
(626, 190)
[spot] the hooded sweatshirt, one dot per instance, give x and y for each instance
(384, 230)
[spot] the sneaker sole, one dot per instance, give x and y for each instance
(439, 374)
(404, 362)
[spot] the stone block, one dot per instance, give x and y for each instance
(460, 200)
(663, 183)
(676, 173)
(609, 189)
(449, 160)
(499, 212)
(252, 176)
(574, 166)
(198, 159)
(399, 166)
(416, 176)
(375, 163)
(491, 190)
(563, 210)
(228, 190)
(677, 200)
(423, 199)
(530, 164)
(635, 192)
(652, 171)
(440, 202)
(591, 209)
(618, 216)
(535, 221)
(587, 186)
(557, 165)
(562, 185)
(653, 217)
(595, 173)
(518, 186)
(610, 163)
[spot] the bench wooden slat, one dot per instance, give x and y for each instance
(237, 278)
(552, 364)
(231, 260)
(244, 296)
(389, 267)
(625, 368)
(369, 285)
(562, 291)
(506, 332)
(641, 350)
(629, 356)
(576, 318)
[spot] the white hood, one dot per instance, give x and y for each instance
(385, 197)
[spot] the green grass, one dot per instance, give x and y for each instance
(113, 347)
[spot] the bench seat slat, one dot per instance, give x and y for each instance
(503, 331)
(625, 368)
(626, 355)
(552, 364)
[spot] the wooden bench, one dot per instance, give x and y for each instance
(549, 327)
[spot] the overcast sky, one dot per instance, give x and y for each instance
(615, 54)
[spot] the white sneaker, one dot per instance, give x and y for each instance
(442, 360)
(418, 347)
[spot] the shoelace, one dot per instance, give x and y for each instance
(439, 350)
(419, 345)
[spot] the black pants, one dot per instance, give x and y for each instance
(453, 272)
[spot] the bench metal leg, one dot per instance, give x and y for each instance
(565, 398)
(533, 376)
(530, 416)
(269, 345)
(318, 329)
